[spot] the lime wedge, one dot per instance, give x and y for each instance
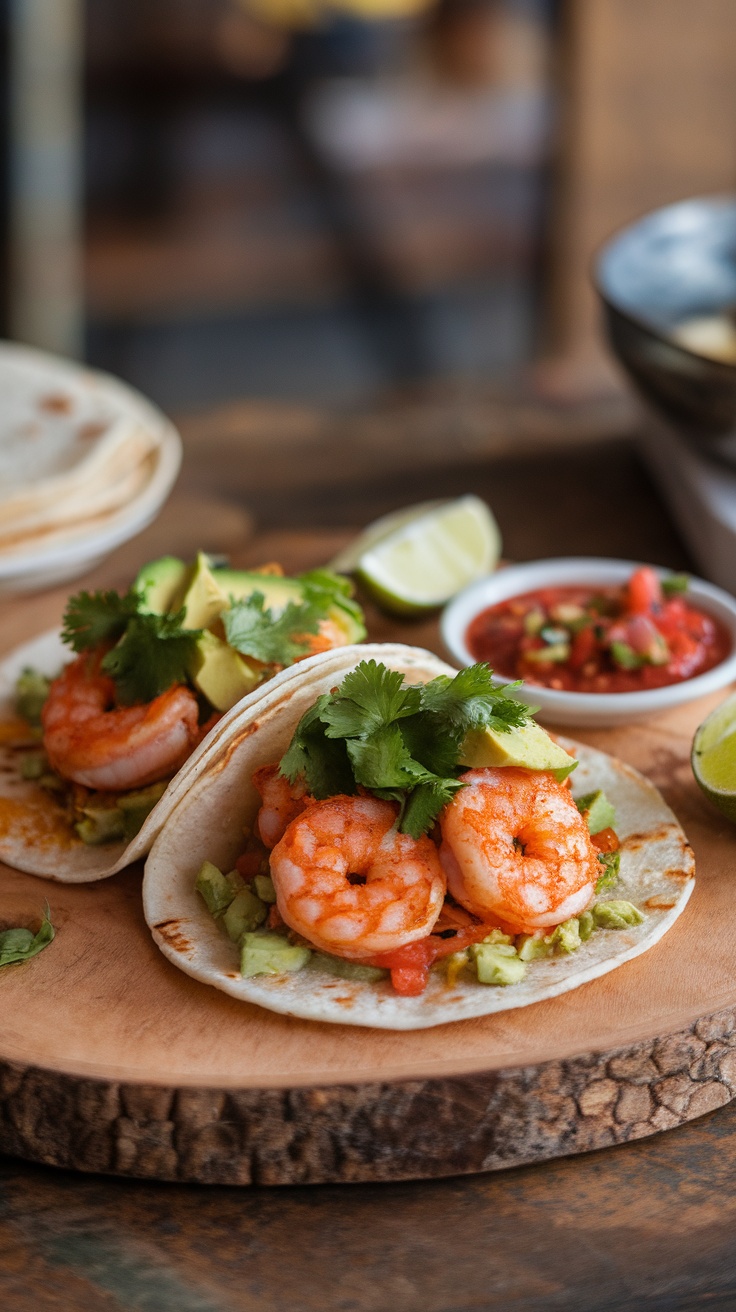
(713, 757)
(424, 562)
(347, 560)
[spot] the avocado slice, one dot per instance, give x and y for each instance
(276, 590)
(263, 953)
(529, 747)
(162, 583)
(204, 600)
(221, 673)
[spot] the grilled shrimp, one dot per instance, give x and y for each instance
(281, 802)
(516, 850)
(352, 885)
(91, 741)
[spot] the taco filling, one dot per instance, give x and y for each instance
(153, 671)
(412, 829)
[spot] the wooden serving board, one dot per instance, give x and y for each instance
(112, 1060)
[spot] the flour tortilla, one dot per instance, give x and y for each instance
(35, 834)
(657, 869)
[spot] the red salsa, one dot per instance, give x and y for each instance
(642, 634)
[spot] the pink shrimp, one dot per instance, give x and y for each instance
(352, 885)
(516, 850)
(90, 741)
(281, 802)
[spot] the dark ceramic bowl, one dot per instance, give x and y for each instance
(673, 265)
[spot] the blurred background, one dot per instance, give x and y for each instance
(335, 202)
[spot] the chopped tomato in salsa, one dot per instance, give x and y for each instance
(643, 634)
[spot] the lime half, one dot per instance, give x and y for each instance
(713, 757)
(422, 563)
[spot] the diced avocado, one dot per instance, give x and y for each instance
(529, 747)
(497, 963)
(31, 691)
(498, 936)
(270, 954)
(599, 813)
(566, 936)
(616, 915)
(137, 806)
(276, 590)
(530, 947)
(214, 888)
(263, 885)
(162, 584)
(347, 969)
(100, 825)
(611, 865)
(221, 673)
(204, 599)
(245, 913)
(556, 653)
(586, 925)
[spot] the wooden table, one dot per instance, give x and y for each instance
(648, 1225)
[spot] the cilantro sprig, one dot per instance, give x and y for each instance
(401, 741)
(149, 653)
(252, 629)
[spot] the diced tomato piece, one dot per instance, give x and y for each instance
(584, 646)
(643, 591)
(248, 865)
(409, 965)
(606, 840)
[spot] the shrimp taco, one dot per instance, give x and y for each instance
(104, 725)
(400, 845)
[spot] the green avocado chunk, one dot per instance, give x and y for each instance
(497, 963)
(616, 915)
(597, 811)
(102, 824)
(566, 936)
(215, 888)
(221, 673)
(31, 691)
(204, 600)
(244, 914)
(264, 953)
(529, 747)
(161, 584)
(347, 969)
(530, 947)
(138, 805)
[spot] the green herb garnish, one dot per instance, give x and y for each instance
(154, 653)
(401, 741)
(22, 944)
(250, 627)
(92, 618)
(611, 862)
(675, 583)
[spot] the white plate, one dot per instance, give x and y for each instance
(587, 707)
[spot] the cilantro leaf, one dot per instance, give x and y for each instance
(433, 742)
(22, 944)
(425, 803)
(323, 763)
(154, 653)
(251, 629)
(92, 618)
(383, 761)
(323, 583)
(369, 697)
(611, 862)
(473, 701)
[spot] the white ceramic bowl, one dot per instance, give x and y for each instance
(587, 708)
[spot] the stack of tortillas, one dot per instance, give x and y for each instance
(85, 464)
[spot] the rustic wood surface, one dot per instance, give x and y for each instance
(137, 1069)
(648, 1225)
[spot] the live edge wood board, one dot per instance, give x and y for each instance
(112, 1060)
